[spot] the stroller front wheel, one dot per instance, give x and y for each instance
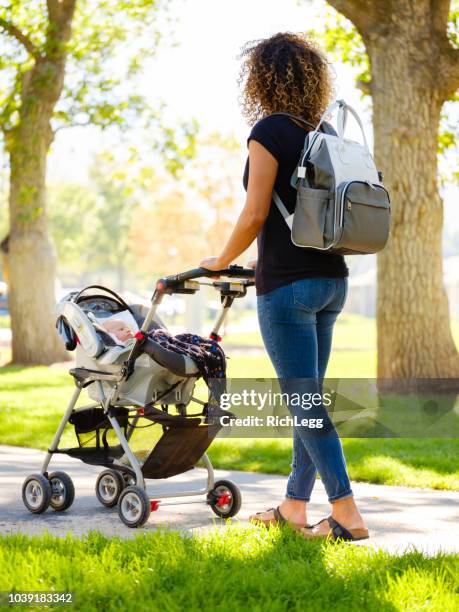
(225, 499)
(36, 493)
(134, 506)
(109, 485)
(62, 491)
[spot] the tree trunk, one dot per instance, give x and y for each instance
(31, 254)
(413, 322)
(406, 43)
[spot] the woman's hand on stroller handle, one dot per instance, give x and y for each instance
(212, 263)
(230, 272)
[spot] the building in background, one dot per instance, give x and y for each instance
(362, 289)
(451, 276)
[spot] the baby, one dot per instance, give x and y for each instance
(119, 329)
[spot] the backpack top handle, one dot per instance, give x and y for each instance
(343, 110)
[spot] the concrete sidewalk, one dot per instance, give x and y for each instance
(399, 518)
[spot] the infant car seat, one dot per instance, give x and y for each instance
(156, 371)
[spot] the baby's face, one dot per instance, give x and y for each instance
(119, 329)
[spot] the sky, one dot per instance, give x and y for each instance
(198, 77)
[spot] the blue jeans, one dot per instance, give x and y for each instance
(296, 322)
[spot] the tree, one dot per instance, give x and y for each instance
(165, 236)
(109, 233)
(192, 219)
(72, 216)
(43, 43)
(414, 69)
(215, 176)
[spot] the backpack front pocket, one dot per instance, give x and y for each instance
(310, 217)
(364, 217)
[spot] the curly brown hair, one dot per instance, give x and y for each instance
(286, 72)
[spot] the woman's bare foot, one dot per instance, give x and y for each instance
(345, 512)
(292, 510)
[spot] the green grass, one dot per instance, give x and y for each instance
(353, 354)
(239, 568)
(32, 401)
(428, 463)
(351, 332)
(343, 364)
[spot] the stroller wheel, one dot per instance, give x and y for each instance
(134, 506)
(62, 491)
(36, 493)
(129, 479)
(109, 485)
(225, 499)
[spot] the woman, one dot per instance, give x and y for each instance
(300, 292)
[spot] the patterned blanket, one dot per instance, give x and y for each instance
(207, 354)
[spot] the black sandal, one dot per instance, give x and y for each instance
(337, 532)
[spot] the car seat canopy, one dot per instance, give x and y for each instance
(88, 318)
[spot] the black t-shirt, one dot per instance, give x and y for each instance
(279, 261)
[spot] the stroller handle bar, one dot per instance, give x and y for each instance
(230, 272)
(177, 284)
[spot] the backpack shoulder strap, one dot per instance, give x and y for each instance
(324, 126)
(282, 209)
(297, 117)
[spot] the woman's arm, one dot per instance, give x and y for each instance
(262, 175)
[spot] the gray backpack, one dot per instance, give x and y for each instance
(341, 203)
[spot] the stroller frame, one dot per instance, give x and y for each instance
(42, 489)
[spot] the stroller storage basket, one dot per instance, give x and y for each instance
(97, 442)
(182, 444)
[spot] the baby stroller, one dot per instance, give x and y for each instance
(132, 388)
